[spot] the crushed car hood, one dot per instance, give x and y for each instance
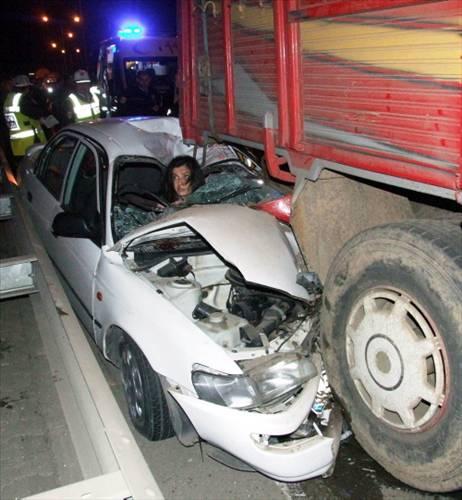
(251, 241)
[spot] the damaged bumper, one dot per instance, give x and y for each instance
(248, 435)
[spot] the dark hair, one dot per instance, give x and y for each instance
(197, 177)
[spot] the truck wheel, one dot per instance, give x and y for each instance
(392, 344)
(145, 397)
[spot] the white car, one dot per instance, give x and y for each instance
(207, 310)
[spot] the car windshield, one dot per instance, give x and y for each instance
(230, 181)
(138, 197)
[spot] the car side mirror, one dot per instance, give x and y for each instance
(72, 226)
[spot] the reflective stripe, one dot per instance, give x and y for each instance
(23, 134)
(95, 104)
(83, 111)
(14, 106)
(16, 99)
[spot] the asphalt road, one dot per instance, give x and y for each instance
(357, 476)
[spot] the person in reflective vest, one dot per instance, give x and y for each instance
(6, 86)
(84, 99)
(25, 130)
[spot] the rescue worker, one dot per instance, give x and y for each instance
(6, 86)
(84, 98)
(42, 95)
(41, 76)
(164, 88)
(23, 110)
(61, 104)
(140, 100)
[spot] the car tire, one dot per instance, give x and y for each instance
(392, 343)
(144, 394)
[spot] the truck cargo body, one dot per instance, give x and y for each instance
(371, 89)
(359, 103)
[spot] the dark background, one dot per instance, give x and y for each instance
(25, 40)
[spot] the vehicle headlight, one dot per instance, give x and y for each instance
(235, 391)
(280, 374)
(266, 380)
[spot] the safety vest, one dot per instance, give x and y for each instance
(83, 110)
(24, 131)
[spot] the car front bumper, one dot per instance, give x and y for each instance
(239, 432)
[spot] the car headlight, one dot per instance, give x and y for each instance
(235, 391)
(266, 380)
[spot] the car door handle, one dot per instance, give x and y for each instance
(29, 196)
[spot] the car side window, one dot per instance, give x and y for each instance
(55, 164)
(135, 180)
(81, 194)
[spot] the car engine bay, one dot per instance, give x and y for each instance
(234, 314)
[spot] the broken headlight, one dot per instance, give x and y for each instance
(266, 380)
(235, 391)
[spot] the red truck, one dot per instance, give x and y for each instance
(359, 103)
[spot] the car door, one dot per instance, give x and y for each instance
(44, 186)
(78, 257)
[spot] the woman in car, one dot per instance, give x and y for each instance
(182, 177)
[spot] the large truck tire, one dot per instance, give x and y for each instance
(391, 327)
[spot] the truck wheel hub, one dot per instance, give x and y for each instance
(384, 362)
(395, 359)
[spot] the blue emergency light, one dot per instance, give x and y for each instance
(131, 31)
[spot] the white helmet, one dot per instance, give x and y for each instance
(81, 76)
(21, 81)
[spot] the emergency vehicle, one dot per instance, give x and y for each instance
(119, 61)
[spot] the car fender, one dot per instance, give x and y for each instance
(171, 342)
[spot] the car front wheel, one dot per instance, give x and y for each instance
(145, 397)
(392, 343)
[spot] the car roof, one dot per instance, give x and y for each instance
(127, 136)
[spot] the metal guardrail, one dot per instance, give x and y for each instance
(17, 276)
(6, 211)
(111, 462)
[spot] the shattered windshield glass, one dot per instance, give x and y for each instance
(126, 218)
(232, 183)
(226, 181)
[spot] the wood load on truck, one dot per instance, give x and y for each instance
(360, 105)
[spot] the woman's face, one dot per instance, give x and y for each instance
(181, 177)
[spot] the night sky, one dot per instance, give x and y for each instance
(25, 39)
